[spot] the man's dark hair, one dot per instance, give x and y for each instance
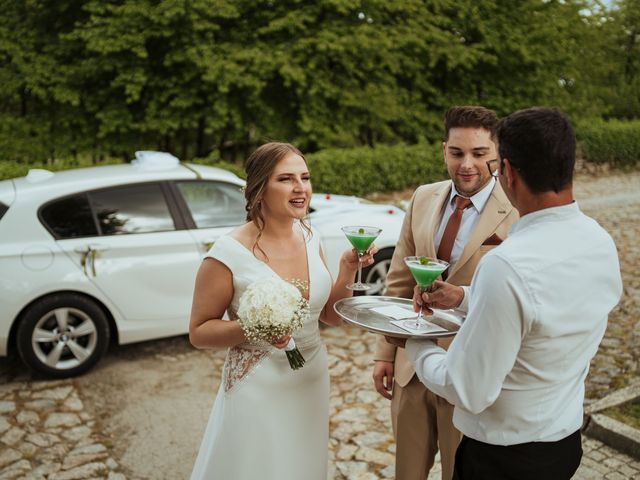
(540, 144)
(469, 117)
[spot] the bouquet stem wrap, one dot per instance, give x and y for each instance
(271, 308)
(296, 360)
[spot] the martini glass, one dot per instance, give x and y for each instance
(425, 270)
(361, 238)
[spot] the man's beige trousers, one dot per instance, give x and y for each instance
(422, 424)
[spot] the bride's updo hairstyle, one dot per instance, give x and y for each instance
(259, 167)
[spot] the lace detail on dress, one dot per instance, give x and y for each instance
(242, 359)
(239, 363)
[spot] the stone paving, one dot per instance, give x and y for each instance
(361, 442)
(614, 201)
(47, 432)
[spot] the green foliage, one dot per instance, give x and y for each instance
(213, 160)
(234, 168)
(359, 171)
(202, 77)
(12, 169)
(615, 142)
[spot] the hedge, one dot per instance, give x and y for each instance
(10, 169)
(364, 170)
(614, 142)
(359, 171)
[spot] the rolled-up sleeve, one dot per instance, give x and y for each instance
(471, 373)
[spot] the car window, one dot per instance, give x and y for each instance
(3, 209)
(69, 217)
(131, 209)
(213, 204)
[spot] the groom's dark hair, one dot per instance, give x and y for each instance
(469, 116)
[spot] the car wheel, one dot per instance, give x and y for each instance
(62, 335)
(376, 274)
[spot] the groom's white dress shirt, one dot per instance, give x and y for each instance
(537, 311)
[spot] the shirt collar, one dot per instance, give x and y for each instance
(479, 199)
(551, 214)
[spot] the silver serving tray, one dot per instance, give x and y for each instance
(357, 311)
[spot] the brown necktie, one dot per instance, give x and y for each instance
(451, 230)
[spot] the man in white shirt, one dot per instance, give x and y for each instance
(458, 220)
(537, 311)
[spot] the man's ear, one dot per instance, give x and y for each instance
(509, 172)
(444, 151)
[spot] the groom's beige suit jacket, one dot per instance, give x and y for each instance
(417, 238)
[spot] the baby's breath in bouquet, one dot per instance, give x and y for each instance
(271, 308)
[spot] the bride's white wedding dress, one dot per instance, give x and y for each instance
(269, 422)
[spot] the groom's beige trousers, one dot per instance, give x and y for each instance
(422, 425)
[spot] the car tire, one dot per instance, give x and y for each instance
(62, 335)
(376, 274)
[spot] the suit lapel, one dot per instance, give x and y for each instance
(495, 211)
(432, 220)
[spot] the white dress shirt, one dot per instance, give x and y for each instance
(468, 222)
(537, 311)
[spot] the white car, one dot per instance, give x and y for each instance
(109, 254)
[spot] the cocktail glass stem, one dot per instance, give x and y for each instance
(419, 317)
(360, 255)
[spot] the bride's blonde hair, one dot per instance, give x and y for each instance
(259, 167)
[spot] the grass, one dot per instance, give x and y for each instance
(628, 413)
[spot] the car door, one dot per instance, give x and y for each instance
(211, 209)
(143, 259)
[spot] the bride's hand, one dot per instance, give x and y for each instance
(349, 258)
(281, 342)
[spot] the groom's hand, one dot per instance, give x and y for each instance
(383, 377)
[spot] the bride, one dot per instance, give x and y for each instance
(268, 421)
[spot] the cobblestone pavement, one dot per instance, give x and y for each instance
(45, 433)
(61, 430)
(614, 201)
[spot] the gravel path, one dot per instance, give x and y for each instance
(614, 201)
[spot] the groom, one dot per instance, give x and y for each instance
(458, 220)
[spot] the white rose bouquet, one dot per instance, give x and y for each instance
(271, 308)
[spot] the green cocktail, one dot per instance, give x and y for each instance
(361, 238)
(361, 242)
(425, 274)
(425, 271)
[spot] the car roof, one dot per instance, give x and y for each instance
(37, 181)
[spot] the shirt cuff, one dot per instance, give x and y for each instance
(464, 305)
(417, 346)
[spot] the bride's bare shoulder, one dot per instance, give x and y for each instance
(245, 234)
